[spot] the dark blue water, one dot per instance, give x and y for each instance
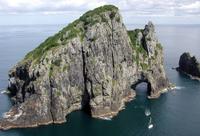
(176, 113)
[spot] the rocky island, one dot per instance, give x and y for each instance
(189, 65)
(93, 64)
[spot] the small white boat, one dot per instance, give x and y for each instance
(150, 126)
(147, 112)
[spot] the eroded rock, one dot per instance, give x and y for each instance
(91, 64)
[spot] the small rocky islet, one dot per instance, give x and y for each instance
(189, 65)
(93, 64)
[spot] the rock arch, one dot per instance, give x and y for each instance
(149, 89)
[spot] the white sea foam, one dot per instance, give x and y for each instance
(3, 91)
(105, 118)
(179, 87)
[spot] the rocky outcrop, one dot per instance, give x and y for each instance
(92, 64)
(189, 65)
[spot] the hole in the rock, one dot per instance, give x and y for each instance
(142, 88)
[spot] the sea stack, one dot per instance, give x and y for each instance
(189, 65)
(92, 64)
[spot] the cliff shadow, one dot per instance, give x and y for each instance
(85, 103)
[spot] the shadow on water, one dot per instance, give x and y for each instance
(142, 94)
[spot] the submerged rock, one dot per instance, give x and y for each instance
(92, 64)
(189, 65)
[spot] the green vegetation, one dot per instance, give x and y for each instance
(91, 17)
(51, 71)
(118, 19)
(133, 36)
(47, 59)
(144, 66)
(159, 46)
(93, 39)
(136, 46)
(114, 82)
(112, 15)
(54, 67)
(97, 11)
(66, 67)
(52, 41)
(156, 53)
(103, 19)
(69, 32)
(58, 93)
(137, 58)
(93, 61)
(57, 62)
(89, 20)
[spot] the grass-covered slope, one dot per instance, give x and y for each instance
(136, 46)
(74, 29)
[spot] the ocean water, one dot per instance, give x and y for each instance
(176, 113)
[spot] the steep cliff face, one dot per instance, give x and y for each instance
(189, 65)
(92, 64)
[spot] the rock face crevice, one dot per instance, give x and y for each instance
(90, 65)
(86, 97)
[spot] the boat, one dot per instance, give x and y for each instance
(150, 125)
(147, 112)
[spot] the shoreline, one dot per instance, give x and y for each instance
(106, 116)
(164, 90)
(4, 91)
(189, 75)
(110, 115)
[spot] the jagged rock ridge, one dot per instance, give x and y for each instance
(92, 64)
(189, 65)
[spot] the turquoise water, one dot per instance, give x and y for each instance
(175, 113)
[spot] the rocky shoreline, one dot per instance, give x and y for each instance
(164, 90)
(122, 107)
(189, 75)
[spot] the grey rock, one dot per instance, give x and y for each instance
(93, 64)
